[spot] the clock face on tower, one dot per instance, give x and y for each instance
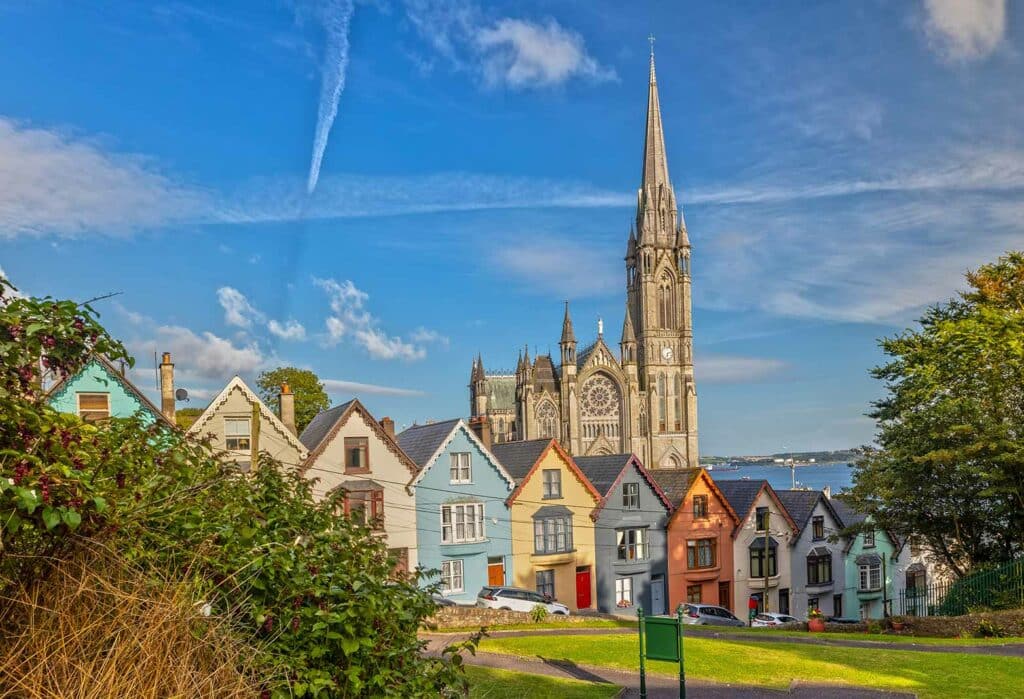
(666, 354)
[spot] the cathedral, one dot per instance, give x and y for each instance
(641, 399)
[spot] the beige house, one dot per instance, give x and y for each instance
(350, 450)
(238, 423)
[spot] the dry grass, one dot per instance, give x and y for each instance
(94, 628)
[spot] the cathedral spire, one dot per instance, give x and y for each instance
(568, 335)
(628, 335)
(655, 173)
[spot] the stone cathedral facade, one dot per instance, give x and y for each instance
(641, 399)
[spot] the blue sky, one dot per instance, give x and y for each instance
(840, 165)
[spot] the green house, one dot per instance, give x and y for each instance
(99, 391)
(872, 566)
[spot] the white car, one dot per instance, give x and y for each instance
(516, 599)
(773, 619)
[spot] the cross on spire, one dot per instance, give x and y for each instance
(651, 39)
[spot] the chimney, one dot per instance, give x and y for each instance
(827, 492)
(286, 408)
(481, 427)
(389, 426)
(167, 387)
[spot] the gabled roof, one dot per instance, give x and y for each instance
(501, 391)
(606, 472)
(416, 440)
(743, 494)
(545, 445)
(115, 374)
(848, 516)
(518, 458)
(323, 428)
(269, 415)
(801, 504)
(677, 484)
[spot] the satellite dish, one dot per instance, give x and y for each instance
(181, 394)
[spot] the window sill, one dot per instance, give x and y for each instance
(466, 542)
(460, 482)
(551, 497)
(356, 471)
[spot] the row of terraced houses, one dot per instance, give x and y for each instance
(595, 532)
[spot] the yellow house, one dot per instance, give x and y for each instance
(553, 548)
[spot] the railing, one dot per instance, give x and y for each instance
(998, 588)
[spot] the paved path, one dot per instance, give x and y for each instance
(1014, 650)
(660, 686)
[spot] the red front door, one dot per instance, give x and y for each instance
(582, 588)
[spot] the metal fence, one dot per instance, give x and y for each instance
(998, 588)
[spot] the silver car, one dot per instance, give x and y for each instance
(517, 599)
(709, 615)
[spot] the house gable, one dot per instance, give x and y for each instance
(567, 463)
(354, 407)
(704, 481)
(100, 376)
(461, 428)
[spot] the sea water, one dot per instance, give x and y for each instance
(813, 476)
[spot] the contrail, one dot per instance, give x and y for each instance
(336, 16)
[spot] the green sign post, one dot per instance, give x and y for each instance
(661, 638)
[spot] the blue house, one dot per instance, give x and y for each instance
(98, 391)
(462, 524)
(630, 521)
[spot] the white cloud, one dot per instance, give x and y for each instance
(524, 54)
(340, 386)
(289, 330)
(718, 369)
(53, 181)
(237, 309)
(205, 354)
(517, 53)
(965, 30)
(567, 268)
(350, 318)
(334, 16)
(425, 336)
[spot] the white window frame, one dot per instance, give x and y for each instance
(463, 523)
(624, 592)
(637, 547)
(452, 572)
(78, 403)
(228, 435)
(631, 496)
(556, 479)
(870, 573)
(461, 469)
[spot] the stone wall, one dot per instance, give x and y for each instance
(1011, 622)
(473, 617)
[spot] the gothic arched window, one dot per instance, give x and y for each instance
(501, 430)
(666, 303)
(679, 403)
(600, 410)
(547, 420)
(662, 402)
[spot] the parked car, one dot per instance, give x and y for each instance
(709, 615)
(517, 599)
(773, 619)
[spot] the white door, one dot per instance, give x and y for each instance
(657, 595)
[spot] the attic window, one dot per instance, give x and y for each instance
(357, 454)
(93, 407)
(237, 434)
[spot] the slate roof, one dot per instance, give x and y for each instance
(584, 354)
(503, 389)
(321, 425)
(847, 515)
(799, 504)
(544, 377)
(740, 494)
(519, 457)
(675, 482)
(420, 442)
(604, 470)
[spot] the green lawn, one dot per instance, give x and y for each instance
(748, 662)
(487, 683)
(860, 636)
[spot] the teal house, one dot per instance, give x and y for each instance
(463, 530)
(100, 391)
(871, 562)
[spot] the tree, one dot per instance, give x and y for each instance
(186, 416)
(949, 466)
(310, 397)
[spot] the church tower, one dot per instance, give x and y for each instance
(659, 306)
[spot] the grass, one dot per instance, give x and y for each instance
(929, 675)
(860, 636)
(489, 683)
(545, 625)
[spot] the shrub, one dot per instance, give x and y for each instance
(539, 613)
(989, 629)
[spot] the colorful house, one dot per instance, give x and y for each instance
(354, 456)
(463, 531)
(629, 535)
(239, 423)
(817, 554)
(699, 532)
(761, 545)
(872, 566)
(100, 390)
(551, 508)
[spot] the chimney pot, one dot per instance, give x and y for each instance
(481, 427)
(167, 404)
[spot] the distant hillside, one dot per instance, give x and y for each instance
(821, 457)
